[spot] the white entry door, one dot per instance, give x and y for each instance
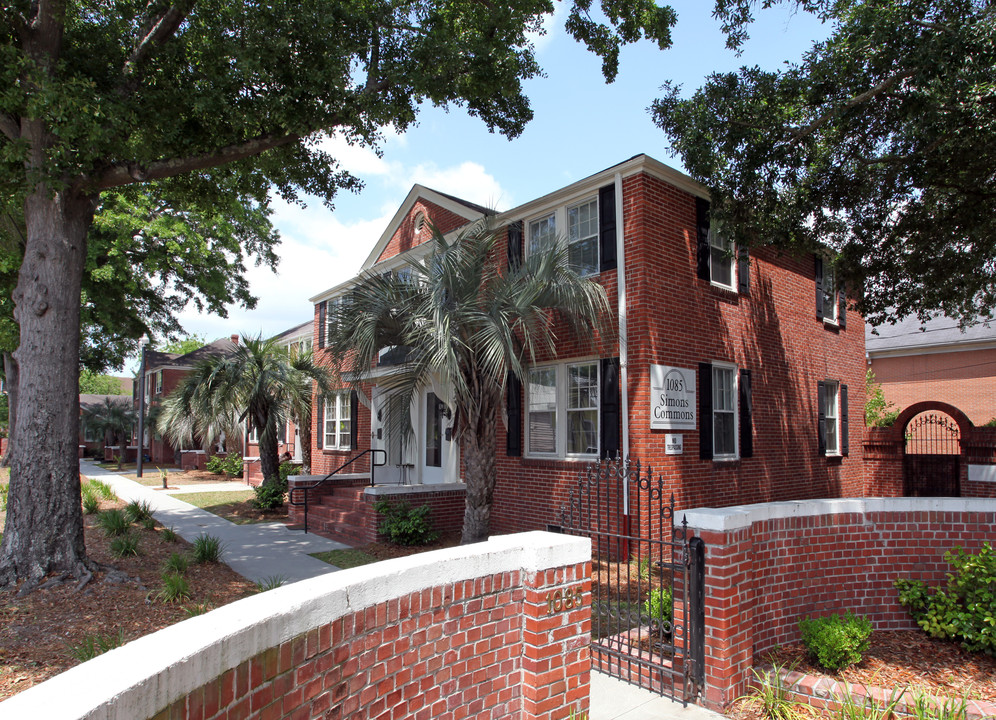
(437, 450)
(297, 445)
(386, 436)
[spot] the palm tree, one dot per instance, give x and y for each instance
(258, 384)
(468, 321)
(299, 404)
(115, 420)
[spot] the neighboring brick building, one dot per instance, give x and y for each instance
(938, 361)
(731, 376)
(163, 373)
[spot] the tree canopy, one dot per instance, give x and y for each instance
(183, 345)
(216, 102)
(93, 384)
(879, 146)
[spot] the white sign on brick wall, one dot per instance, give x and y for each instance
(672, 398)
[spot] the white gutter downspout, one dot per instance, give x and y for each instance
(623, 346)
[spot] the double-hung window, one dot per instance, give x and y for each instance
(720, 257)
(159, 382)
(338, 423)
(582, 234)
(832, 418)
(724, 411)
(829, 293)
(563, 410)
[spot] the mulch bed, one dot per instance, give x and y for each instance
(908, 658)
(37, 630)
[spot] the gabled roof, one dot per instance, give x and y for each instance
(219, 348)
(89, 400)
(302, 330)
(940, 334)
(463, 208)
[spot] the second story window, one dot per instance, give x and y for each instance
(582, 234)
(720, 257)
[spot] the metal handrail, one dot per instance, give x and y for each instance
(312, 486)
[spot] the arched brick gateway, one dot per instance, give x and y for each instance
(884, 451)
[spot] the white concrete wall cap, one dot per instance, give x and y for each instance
(414, 489)
(147, 674)
(742, 516)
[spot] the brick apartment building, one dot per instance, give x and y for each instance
(163, 373)
(739, 378)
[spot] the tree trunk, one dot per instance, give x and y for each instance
(478, 443)
(10, 373)
(269, 455)
(44, 529)
(304, 436)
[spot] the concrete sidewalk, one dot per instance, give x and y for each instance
(256, 551)
(613, 699)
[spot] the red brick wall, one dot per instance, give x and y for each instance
(374, 644)
(794, 560)
(966, 380)
(676, 319)
(405, 237)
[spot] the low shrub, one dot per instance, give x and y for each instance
(231, 465)
(103, 489)
(965, 610)
(271, 582)
(124, 546)
(206, 548)
(659, 605)
(113, 522)
(836, 641)
(404, 525)
(268, 497)
(287, 469)
(148, 523)
(772, 696)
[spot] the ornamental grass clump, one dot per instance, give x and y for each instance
(836, 641)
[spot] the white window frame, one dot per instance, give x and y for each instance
(720, 244)
(560, 217)
(829, 293)
(253, 437)
(832, 417)
(734, 409)
(562, 410)
(159, 382)
(337, 411)
(330, 306)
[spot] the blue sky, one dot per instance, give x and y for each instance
(581, 125)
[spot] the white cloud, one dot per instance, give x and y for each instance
(551, 27)
(468, 180)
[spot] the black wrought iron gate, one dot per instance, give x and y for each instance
(647, 601)
(932, 454)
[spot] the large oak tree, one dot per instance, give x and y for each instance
(879, 146)
(212, 100)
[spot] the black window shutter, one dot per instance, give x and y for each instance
(842, 308)
(513, 408)
(320, 424)
(743, 271)
(819, 288)
(746, 416)
(515, 245)
(354, 423)
(609, 408)
(705, 411)
(821, 429)
(322, 309)
(844, 449)
(702, 238)
(607, 228)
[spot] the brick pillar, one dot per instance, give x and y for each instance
(729, 615)
(556, 661)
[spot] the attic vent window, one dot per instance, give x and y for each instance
(419, 223)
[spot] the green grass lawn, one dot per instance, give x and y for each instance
(345, 558)
(210, 501)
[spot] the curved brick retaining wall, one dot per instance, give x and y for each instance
(462, 632)
(769, 565)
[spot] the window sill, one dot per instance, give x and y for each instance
(726, 460)
(333, 451)
(537, 461)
